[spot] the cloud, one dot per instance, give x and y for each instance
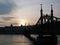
(1, 22)
(6, 6)
(8, 18)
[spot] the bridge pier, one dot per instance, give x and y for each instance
(48, 40)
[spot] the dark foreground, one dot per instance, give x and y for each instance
(23, 40)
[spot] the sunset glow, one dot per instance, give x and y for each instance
(22, 22)
(25, 12)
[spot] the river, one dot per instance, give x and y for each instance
(17, 40)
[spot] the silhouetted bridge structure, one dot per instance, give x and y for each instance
(46, 25)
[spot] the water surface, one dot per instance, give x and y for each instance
(17, 40)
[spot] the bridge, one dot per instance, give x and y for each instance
(46, 25)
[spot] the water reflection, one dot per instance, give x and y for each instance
(14, 40)
(20, 40)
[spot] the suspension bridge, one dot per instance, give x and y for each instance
(46, 25)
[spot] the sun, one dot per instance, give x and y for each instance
(22, 22)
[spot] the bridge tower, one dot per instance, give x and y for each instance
(51, 12)
(40, 21)
(41, 15)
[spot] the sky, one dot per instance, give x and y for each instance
(27, 12)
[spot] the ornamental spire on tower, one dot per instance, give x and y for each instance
(41, 14)
(51, 12)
